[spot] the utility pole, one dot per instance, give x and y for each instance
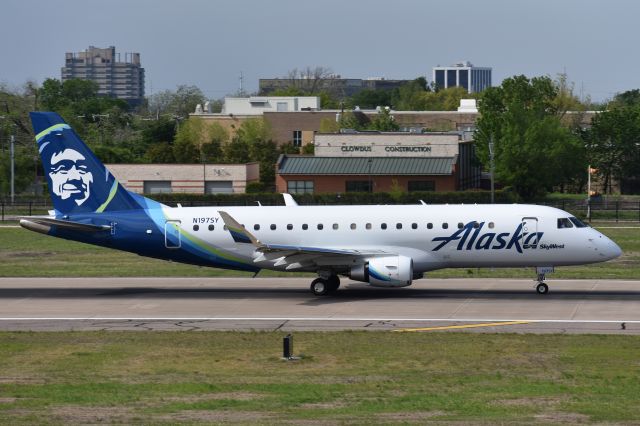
(492, 166)
(12, 155)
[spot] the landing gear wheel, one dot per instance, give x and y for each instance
(320, 287)
(333, 283)
(542, 288)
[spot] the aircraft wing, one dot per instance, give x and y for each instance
(297, 257)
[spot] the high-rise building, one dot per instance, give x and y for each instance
(115, 78)
(463, 74)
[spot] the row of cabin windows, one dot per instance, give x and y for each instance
(353, 226)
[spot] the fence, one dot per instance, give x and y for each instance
(600, 211)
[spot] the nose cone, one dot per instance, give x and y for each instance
(612, 250)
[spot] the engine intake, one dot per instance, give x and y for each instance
(387, 271)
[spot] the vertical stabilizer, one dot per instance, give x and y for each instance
(78, 182)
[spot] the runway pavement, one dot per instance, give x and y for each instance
(430, 305)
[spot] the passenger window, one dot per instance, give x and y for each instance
(211, 227)
(320, 226)
(476, 225)
(578, 223)
(383, 226)
(398, 226)
(491, 225)
(196, 227)
(305, 226)
(289, 227)
(414, 226)
(353, 226)
(445, 225)
(256, 227)
(335, 226)
(429, 225)
(563, 222)
(273, 227)
(460, 225)
(225, 227)
(368, 226)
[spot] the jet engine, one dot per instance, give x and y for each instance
(387, 271)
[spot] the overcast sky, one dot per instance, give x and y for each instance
(208, 43)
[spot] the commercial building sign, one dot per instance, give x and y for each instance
(386, 145)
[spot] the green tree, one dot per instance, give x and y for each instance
(384, 122)
(534, 152)
(614, 143)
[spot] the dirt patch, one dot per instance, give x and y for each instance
(533, 401)
(7, 400)
(21, 381)
(236, 396)
(215, 416)
(410, 416)
(325, 405)
(76, 414)
(564, 418)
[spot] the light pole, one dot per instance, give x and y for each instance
(492, 166)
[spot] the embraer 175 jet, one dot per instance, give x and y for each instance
(386, 246)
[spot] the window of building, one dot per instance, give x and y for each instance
(358, 186)
(196, 227)
(335, 226)
(320, 226)
(157, 186)
(297, 138)
(300, 187)
(440, 79)
(445, 225)
(421, 185)
(256, 227)
(282, 107)
(398, 226)
(463, 79)
(429, 225)
(273, 227)
(414, 226)
(289, 227)
(218, 187)
(305, 226)
(383, 226)
(211, 227)
(451, 78)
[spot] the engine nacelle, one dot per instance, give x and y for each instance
(387, 271)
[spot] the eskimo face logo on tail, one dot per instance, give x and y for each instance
(70, 176)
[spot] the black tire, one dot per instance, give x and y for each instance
(334, 283)
(320, 287)
(542, 288)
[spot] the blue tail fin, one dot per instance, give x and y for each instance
(78, 181)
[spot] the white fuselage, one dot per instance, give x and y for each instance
(491, 235)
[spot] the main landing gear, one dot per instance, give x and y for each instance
(323, 286)
(541, 287)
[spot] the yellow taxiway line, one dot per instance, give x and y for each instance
(453, 327)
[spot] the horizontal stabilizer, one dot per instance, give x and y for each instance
(40, 224)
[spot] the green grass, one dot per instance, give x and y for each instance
(348, 377)
(28, 254)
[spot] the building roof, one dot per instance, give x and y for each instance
(310, 165)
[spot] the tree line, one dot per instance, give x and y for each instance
(538, 146)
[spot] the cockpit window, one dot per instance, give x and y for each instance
(564, 222)
(578, 223)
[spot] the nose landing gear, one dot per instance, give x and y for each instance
(541, 287)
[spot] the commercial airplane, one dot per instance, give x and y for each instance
(386, 246)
